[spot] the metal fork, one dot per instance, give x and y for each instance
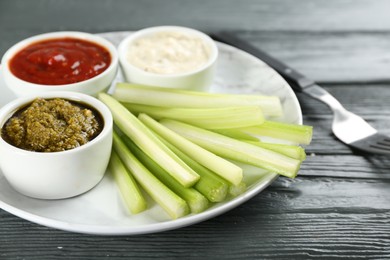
(347, 127)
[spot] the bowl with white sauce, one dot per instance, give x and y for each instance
(169, 56)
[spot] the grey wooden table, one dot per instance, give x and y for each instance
(339, 206)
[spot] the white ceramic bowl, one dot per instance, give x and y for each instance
(90, 86)
(57, 175)
(197, 79)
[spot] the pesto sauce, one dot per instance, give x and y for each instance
(52, 125)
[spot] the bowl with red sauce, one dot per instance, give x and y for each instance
(60, 61)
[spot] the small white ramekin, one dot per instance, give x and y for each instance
(90, 86)
(57, 175)
(198, 79)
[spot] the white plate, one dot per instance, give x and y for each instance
(100, 211)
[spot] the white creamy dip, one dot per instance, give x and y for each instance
(170, 52)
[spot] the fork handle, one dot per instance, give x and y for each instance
(298, 81)
(324, 96)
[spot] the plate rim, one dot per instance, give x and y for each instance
(145, 228)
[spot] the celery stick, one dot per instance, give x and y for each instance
(128, 188)
(235, 190)
(166, 97)
(209, 118)
(236, 134)
(220, 166)
(210, 184)
(270, 105)
(301, 134)
(195, 200)
(292, 151)
(153, 147)
(175, 206)
(236, 150)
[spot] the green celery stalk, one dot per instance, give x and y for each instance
(209, 118)
(128, 188)
(169, 97)
(195, 200)
(175, 206)
(235, 190)
(146, 140)
(236, 150)
(301, 134)
(292, 151)
(236, 134)
(210, 184)
(220, 166)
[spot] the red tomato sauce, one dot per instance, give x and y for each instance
(60, 61)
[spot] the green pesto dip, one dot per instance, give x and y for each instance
(52, 125)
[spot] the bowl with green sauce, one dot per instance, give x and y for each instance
(55, 145)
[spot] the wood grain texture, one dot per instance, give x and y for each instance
(330, 57)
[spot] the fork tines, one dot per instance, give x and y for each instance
(376, 143)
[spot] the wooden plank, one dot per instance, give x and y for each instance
(301, 218)
(346, 166)
(329, 57)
